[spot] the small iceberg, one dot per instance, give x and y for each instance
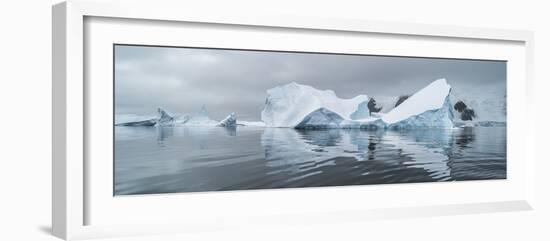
(229, 121)
(163, 119)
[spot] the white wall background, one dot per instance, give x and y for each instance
(25, 122)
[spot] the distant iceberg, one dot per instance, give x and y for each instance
(150, 122)
(229, 121)
(200, 118)
(288, 105)
(164, 118)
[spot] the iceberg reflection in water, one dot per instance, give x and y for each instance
(190, 159)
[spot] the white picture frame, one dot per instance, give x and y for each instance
(72, 110)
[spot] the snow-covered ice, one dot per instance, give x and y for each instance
(431, 98)
(288, 105)
(431, 118)
(430, 107)
(251, 123)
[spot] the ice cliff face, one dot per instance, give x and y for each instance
(320, 119)
(436, 118)
(362, 111)
(288, 105)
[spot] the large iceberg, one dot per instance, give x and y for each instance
(288, 105)
(430, 107)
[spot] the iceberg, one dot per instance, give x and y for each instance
(200, 118)
(430, 107)
(164, 118)
(438, 118)
(229, 121)
(479, 107)
(288, 105)
(304, 107)
(150, 122)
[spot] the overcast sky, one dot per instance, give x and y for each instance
(181, 80)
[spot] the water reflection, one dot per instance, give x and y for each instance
(163, 133)
(425, 149)
(184, 159)
(230, 130)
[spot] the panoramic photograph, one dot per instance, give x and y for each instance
(206, 119)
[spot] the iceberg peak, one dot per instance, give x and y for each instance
(164, 118)
(431, 97)
(430, 107)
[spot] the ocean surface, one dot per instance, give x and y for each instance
(152, 160)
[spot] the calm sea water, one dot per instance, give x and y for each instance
(191, 159)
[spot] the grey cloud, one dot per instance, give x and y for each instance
(183, 79)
